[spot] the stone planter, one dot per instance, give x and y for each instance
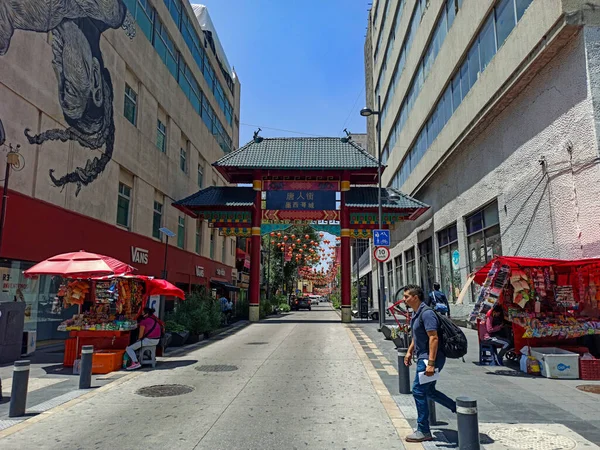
(179, 338)
(193, 338)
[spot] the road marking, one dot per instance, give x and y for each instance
(400, 423)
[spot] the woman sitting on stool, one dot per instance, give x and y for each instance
(149, 336)
(494, 331)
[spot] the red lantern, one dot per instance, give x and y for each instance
(298, 241)
(278, 234)
(293, 236)
(285, 238)
(272, 242)
(272, 233)
(306, 236)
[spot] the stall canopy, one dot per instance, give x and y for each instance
(163, 287)
(518, 262)
(79, 265)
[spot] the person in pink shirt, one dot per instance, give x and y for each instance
(494, 331)
(149, 336)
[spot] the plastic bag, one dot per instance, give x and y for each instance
(533, 366)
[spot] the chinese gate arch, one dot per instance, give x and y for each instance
(278, 169)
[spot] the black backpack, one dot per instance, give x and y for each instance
(453, 341)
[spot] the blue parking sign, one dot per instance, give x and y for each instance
(381, 238)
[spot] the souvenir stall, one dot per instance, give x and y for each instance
(552, 307)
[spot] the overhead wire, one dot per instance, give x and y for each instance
(281, 129)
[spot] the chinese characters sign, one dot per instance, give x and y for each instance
(301, 200)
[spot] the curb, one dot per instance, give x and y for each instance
(398, 420)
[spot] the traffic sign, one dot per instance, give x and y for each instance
(382, 254)
(381, 238)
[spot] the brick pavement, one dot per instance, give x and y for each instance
(504, 395)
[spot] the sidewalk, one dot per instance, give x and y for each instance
(297, 381)
(51, 384)
(546, 411)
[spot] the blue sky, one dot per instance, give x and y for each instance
(300, 63)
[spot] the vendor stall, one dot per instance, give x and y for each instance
(550, 304)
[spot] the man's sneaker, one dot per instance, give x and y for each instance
(418, 436)
(134, 366)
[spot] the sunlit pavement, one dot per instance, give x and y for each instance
(292, 381)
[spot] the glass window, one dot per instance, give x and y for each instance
(144, 16)
(130, 104)
(505, 20)
(450, 262)
(464, 79)
(390, 280)
(223, 249)
(451, 10)
(426, 264)
(157, 220)
(411, 268)
(474, 67)
(522, 5)
(399, 272)
(200, 176)
(181, 232)
(212, 244)
(487, 43)
(123, 205)
(183, 160)
(161, 136)
(198, 236)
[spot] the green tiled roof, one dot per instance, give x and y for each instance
(219, 196)
(367, 197)
(299, 153)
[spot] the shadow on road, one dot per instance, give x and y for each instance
(269, 321)
(168, 365)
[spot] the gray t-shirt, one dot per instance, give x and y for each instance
(420, 328)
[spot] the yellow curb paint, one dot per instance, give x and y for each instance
(403, 429)
(26, 423)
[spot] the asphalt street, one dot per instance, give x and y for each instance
(293, 382)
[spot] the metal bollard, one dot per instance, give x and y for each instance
(18, 393)
(468, 424)
(403, 372)
(85, 374)
(432, 413)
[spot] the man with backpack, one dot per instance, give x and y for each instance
(438, 300)
(426, 326)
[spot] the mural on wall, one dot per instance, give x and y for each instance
(85, 90)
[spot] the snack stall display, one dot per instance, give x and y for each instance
(108, 310)
(551, 305)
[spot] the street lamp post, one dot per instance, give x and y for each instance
(168, 233)
(366, 112)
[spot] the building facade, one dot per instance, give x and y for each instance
(490, 114)
(119, 108)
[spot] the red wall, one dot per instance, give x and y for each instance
(36, 230)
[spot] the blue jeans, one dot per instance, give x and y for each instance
(422, 392)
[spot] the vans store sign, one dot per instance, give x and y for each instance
(139, 255)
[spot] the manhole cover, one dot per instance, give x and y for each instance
(520, 437)
(257, 343)
(164, 390)
(217, 368)
(591, 388)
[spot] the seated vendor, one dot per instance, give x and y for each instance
(494, 331)
(148, 336)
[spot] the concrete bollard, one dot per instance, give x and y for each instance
(18, 393)
(403, 372)
(432, 413)
(468, 424)
(85, 374)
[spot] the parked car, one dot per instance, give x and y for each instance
(300, 303)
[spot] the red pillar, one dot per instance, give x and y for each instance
(346, 264)
(255, 246)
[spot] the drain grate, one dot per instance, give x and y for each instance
(257, 343)
(591, 388)
(521, 437)
(164, 390)
(217, 368)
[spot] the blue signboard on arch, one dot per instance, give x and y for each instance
(305, 200)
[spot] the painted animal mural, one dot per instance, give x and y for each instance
(85, 90)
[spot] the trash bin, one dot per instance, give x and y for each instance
(12, 320)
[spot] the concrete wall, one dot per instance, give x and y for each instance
(548, 210)
(29, 98)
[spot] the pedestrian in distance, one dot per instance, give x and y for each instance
(438, 301)
(430, 359)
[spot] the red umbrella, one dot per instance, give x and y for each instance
(79, 264)
(163, 287)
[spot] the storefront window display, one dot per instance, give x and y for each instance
(43, 312)
(450, 260)
(426, 264)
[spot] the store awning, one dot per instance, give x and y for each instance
(224, 284)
